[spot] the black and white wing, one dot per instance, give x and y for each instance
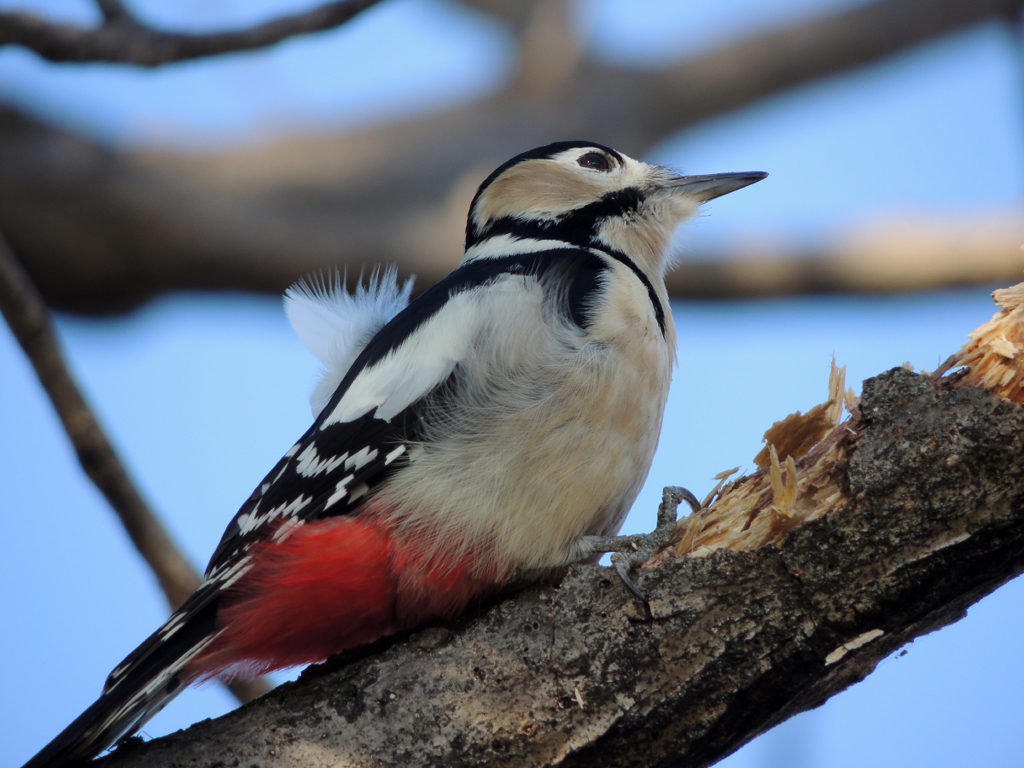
(360, 438)
(362, 434)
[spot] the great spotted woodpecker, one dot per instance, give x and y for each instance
(489, 433)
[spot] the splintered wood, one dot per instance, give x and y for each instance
(802, 470)
(801, 478)
(993, 357)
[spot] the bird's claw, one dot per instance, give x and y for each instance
(631, 552)
(622, 568)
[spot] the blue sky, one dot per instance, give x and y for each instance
(202, 395)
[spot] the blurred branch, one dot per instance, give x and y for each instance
(113, 10)
(104, 231)
(101, 230)
(891, 256)
(29, 320)
(125, 40)
(765, 64)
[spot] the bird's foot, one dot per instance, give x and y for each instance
(631, 552)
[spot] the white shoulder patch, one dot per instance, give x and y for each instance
(335, 325)
(416, 366)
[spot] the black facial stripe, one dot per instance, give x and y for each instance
(577, 227)
(539, 153)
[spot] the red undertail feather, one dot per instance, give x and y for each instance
(331, 586)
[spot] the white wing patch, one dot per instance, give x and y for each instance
(361, 458)
(335, 325)
(414, 367)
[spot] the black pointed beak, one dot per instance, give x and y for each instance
(710, 186)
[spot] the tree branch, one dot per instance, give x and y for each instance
(890, 256)
(739, 641)
(792, 585)
(101, 231)
(29, 320)
(123, 39)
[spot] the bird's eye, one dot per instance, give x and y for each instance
(595, 161)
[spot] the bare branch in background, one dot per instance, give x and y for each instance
(886, 256)
(141, 232)
(123, 39)
(101, 230)
(29, 320)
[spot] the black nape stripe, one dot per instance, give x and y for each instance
(659, 312)
(576, 226)
(579, 228)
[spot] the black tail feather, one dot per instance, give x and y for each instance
(101, 726)
(152, 675)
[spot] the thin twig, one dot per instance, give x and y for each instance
(123, 39)
(114, 10)
(29, 320)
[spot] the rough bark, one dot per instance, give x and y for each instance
(736, 642)
(101, 230)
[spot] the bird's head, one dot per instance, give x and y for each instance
(591, 196)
